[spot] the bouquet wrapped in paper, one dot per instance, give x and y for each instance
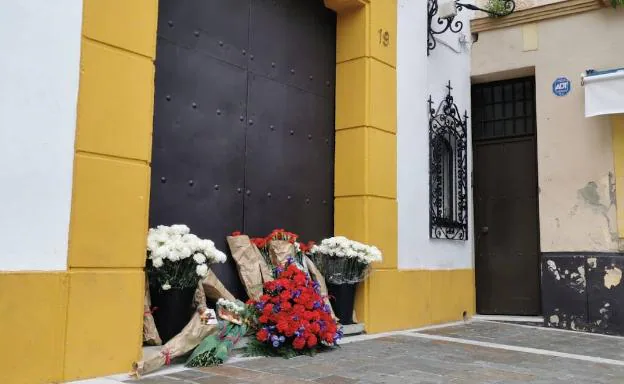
(252, 267)
(291, 317)
(344, 261)
(201, 325)
(281, 246)
(215, 349)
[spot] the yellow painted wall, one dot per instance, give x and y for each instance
(617, 129)
(33, 311)
(110, 202)
(366, 175)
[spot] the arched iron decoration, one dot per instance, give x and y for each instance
(448, 170)
(450, 24)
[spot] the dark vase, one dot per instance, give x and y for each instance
(342, 298)
(172, 310)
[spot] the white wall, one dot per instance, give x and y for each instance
(419, 76)
(39, 70)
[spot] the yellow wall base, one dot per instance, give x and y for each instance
(33, 309)
(394, 299)
(60, 326)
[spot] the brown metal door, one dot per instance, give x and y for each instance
(506, 198)
(244, 119)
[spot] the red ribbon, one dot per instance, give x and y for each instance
(151, 311)
(167, 357)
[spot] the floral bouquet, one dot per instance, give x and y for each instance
(270, 245)
(344, 261)
(215, 349)
(291, 317)
(178, 259)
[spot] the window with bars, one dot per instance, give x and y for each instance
(503, 109)
(448, 191)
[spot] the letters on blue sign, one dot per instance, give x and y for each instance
(561, 86)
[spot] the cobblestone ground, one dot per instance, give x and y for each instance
(478, 352)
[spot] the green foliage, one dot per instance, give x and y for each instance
(500, 7)
(256, 348)
(616, 3)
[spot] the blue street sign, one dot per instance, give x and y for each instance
(561, 86)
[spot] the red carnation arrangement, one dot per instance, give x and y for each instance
(281, 234)
(291, 317)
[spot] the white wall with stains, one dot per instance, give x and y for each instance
(418, 77)
(575, 159)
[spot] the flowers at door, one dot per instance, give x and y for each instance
(342, 260)
(291, 317)
(178, 259)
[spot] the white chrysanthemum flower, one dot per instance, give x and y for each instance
(179, 229)
(230, 306)
(199, 258)
(157, 262)
(340, 246)
(185, 253)
(161, 252)
(166, 287)
(174, 255)
(219, 257)
(202, 270)
(207, 245)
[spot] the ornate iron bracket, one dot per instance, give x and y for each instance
(442, 25)
(448, 170)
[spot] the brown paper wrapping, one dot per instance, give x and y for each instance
(189, 338)
(214, 289)
(150, 333)
(252, 268)
(199, 299)
(317, 276)
(280, 251)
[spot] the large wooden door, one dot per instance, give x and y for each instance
(506, 198)
(244, 119)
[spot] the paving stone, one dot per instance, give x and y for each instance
(405, 359)
(333, 379)
(190, 374)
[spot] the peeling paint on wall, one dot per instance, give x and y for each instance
(552, 267)
(599, 197)
(613, 277)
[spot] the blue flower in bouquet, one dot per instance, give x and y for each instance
(317, 305)
(327, 308)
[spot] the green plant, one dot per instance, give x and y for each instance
(615, 3)
(497, 8)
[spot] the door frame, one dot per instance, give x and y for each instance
(476, 232)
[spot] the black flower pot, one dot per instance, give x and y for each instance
(342, 298)
(172, 310)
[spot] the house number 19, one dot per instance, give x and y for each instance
(384, 37)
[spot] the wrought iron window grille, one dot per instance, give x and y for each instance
(442, 25)
(448, 173)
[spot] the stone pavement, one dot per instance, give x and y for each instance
(476, 352)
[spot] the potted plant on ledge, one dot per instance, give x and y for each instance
(344, 263)
(176, 261)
